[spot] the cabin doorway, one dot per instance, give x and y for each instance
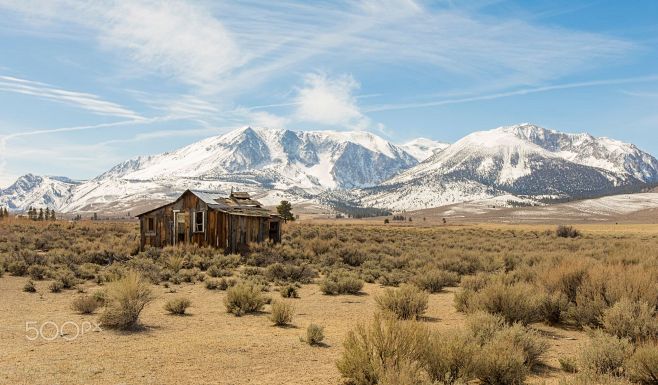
(275, 231)
(180, 227)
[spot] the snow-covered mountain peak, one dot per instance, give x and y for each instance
(519, 160)
(423, 148)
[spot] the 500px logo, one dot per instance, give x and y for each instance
(50, 330)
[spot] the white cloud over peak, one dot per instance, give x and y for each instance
(329, 101)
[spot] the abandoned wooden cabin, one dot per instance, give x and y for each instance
(207, 219)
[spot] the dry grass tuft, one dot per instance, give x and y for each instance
(126, 298)
(282, 313)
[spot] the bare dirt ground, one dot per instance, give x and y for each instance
(207, 346)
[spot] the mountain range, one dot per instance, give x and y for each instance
(358, 169)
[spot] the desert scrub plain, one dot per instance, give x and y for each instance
(388, 304)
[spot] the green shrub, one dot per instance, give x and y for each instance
(177, 306)
(633, 320)
(605, 354)
(126, 298)
(244, 298)
(642, 367)
(85, 304)
(289, 291)
(435, 280)
(407, 302)
(29, 287)
(341, 283)
(314, 334)
(37, 272)
(55, 286)
(282, 313)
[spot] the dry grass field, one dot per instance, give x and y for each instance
(587, 301)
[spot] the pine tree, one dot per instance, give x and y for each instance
(40, 214)
(52, 215)
(2, 213)
(95, 217)
(47, 214)
(285, 211)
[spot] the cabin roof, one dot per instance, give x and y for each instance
(238, 203)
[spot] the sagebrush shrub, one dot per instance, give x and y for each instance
(341, 283)
(407, 302)
(29, 287)
(591, 378)
(289, 291)
(642, 367)
(605, 354)
(484, 326)
(85, 304)
(634, 320)
(519, 302)
(449, 357)
(553, 307)
(216, 272)
(314, 334)
(37, 272)
(533, 346)
(501, 362)
(281, 313)
(177, 306)
(435, 280)
(55, 286)
(563, 231)
(126, 298)
(289, 272)
(568, 364)
(244, 298)
(100, 296)
(17, 268)
(386, 343)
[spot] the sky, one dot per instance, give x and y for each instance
(85, 85)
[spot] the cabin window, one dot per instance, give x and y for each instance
(150, 224)
(199, 221)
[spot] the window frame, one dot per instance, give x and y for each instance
(150, 224)
(202, 224)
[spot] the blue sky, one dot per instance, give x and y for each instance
(85, 85)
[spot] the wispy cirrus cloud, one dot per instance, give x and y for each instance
(524, 91)
(90, 102)
(228, 46)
